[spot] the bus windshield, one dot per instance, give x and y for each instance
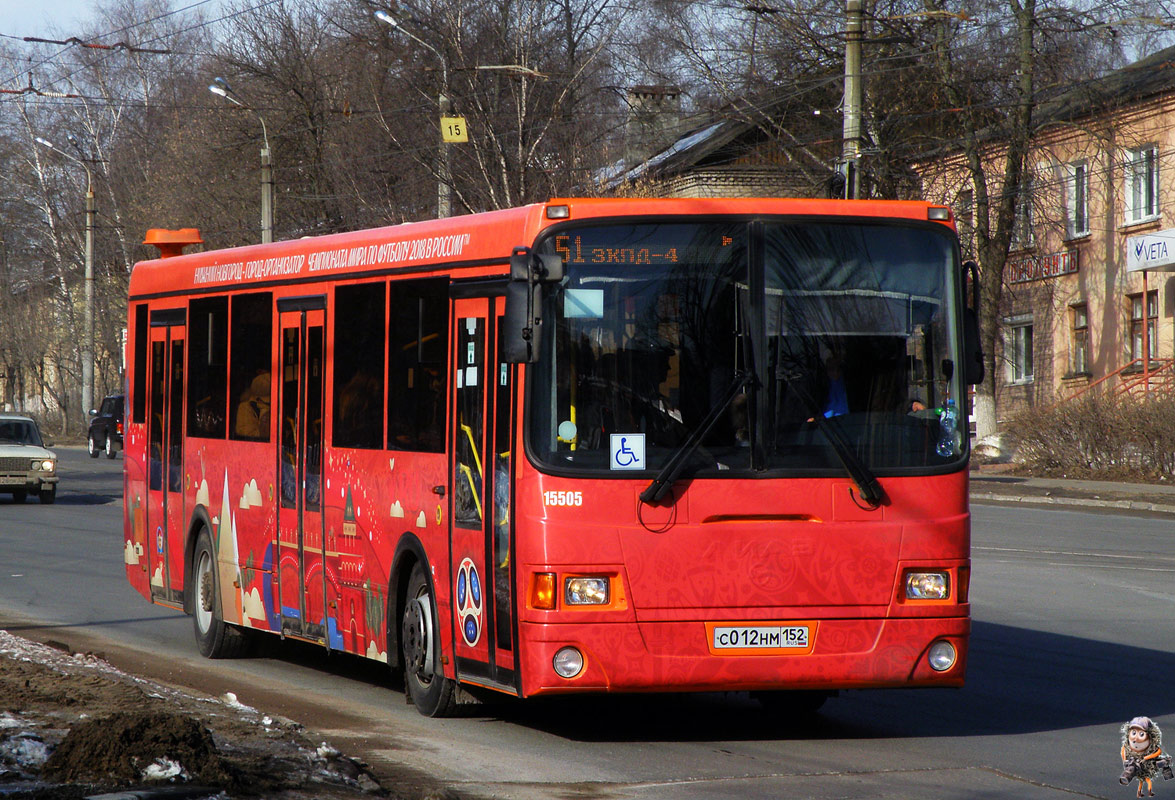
(850, 322)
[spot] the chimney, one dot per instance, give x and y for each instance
(654, 116)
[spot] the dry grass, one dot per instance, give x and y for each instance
(1113, 439)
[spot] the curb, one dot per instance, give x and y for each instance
(1124, 505)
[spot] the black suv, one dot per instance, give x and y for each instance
(106, 428)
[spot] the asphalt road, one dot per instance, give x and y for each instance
(1074, 633)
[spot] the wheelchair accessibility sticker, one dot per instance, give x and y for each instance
(627, 451)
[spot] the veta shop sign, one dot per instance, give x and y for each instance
(1151, 251)
(1039, 268)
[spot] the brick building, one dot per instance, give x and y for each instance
(1089, 296)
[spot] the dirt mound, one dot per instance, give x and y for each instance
(124, 746)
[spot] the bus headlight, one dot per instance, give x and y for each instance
(941, 656)
(586, 591)
(928, 585)
(568, 662)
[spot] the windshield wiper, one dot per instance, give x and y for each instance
(867, 485)
(676, 463)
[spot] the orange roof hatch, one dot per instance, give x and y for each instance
(172, 243)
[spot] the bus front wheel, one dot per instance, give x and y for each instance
(215, 637)
(428, 688)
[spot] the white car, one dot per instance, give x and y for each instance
(25, 465)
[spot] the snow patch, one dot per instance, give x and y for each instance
(164, 769)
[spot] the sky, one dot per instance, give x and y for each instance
(37, 17)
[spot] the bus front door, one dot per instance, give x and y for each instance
(300, 574)
(480, 475)
(165, 456)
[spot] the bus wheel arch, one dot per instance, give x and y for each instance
(215, 638)
(200, 521)
(415, 638)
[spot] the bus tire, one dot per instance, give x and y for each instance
(214, 637)
(424, 680)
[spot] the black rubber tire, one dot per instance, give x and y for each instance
(429, 690)
(19, 496)
(111, 451)
(91, 447)
(48, 496)
(214, 637)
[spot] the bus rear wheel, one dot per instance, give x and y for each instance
(214, 637)
(428, 688)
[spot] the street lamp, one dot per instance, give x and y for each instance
(88, 309)
(444, 182)
(219, 86)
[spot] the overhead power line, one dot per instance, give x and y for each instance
(130, 48)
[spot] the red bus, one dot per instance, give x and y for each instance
(579, 446)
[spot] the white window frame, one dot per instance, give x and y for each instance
(1079, 338)
(1142, 184)
(1136, 322)
(1076, 199)
(1018, 349)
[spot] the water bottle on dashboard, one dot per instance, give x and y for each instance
(948, 423)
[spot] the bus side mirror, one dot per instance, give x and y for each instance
(972, 345)
(526, 265)
(522, 324)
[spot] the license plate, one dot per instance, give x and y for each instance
(764, 638)
(9, 480)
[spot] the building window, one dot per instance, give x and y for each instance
(1079, 339)
(1022, 225)
(1142, 183)
(1019, 349)
(1136, 329)
(1076, 199)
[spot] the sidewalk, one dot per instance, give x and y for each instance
(992, 484)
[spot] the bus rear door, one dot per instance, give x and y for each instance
(481, 591)
(301, 579)
(165, 453)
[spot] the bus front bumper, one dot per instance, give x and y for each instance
(680, 657)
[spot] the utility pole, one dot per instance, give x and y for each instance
(444, 156)
(219, 86)
(851, 154)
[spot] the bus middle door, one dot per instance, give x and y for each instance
(481, 589)
(300, 574)
(165, 455)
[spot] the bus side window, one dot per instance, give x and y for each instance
(250, 358)
(359, 366)
(418, 344)
(208, 367)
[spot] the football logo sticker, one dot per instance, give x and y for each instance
(469, 602)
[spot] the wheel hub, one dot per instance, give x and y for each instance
(206, 591)
(417, 629)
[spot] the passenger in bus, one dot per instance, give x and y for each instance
(836, 402)
(359, 416)
(253, 409)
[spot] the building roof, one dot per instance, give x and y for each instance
(1150, 77)
(719, 138)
